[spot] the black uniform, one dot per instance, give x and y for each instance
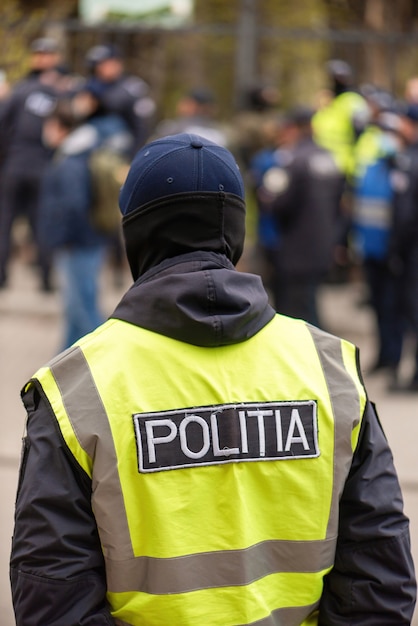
(403, 249)
(305, 203)
(128, 97)
(24, 159)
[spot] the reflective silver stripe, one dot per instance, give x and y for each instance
(289, 616)
(219, 569)
(345, 403)
(373, 212)
(89, 420)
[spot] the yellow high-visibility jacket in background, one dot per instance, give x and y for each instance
(334, 128)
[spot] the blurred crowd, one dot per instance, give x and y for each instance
(65, 145)
(337, 195)
(333, 187)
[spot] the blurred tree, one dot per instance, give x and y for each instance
(16, 30)
(375, 49)
(292, 65)
(384, 18)
(217, 62)
(294, 61)
(232, 44)
(387, 60)
(20, 22)
(55, 10)
(216, 11)
(352, 13)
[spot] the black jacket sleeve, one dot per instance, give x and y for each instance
(287, 204)
(56, 569)
(373, 581)
(8, 113)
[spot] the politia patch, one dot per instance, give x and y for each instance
(227, 433)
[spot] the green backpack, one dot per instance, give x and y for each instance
(108, 171)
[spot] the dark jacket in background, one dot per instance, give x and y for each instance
(128, 97)
(23, 158)
(404, 236)
(307, 210)
(21, 120)
(66, 194)
(404, 240)
(66, 191)
(301, 195)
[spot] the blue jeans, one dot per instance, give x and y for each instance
(78, 273)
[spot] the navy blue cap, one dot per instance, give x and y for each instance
(339, 69)
(298, 116)
(179, 164)
(44, 45)
(412, 112)
(201, 96)
(101, 53)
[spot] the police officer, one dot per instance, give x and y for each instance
(403, 245)
(195, 113)
(199, 459)
(121, 94)
(339, 123)
(302, 191)
(255, 123)
(24, 154)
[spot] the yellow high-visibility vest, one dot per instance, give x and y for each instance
(216, 472)
(333, 128)
(367, 149)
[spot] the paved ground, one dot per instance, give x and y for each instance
(30, 329)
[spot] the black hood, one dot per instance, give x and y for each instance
(199, 298)
(182, 223)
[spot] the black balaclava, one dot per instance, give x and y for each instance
(183, 194)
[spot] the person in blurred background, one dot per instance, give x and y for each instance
(254, 124)
(338, 124)
(5, 86)
(371, 230)
(125, 95)
(87, 105)
(110, 163)
(65, 221)
(403, 245)
(24, 155)
(265, 170)
(369, 144)
(254, 130)
(196, 112)
(303, 193)
(5, 89)
(411, 90)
